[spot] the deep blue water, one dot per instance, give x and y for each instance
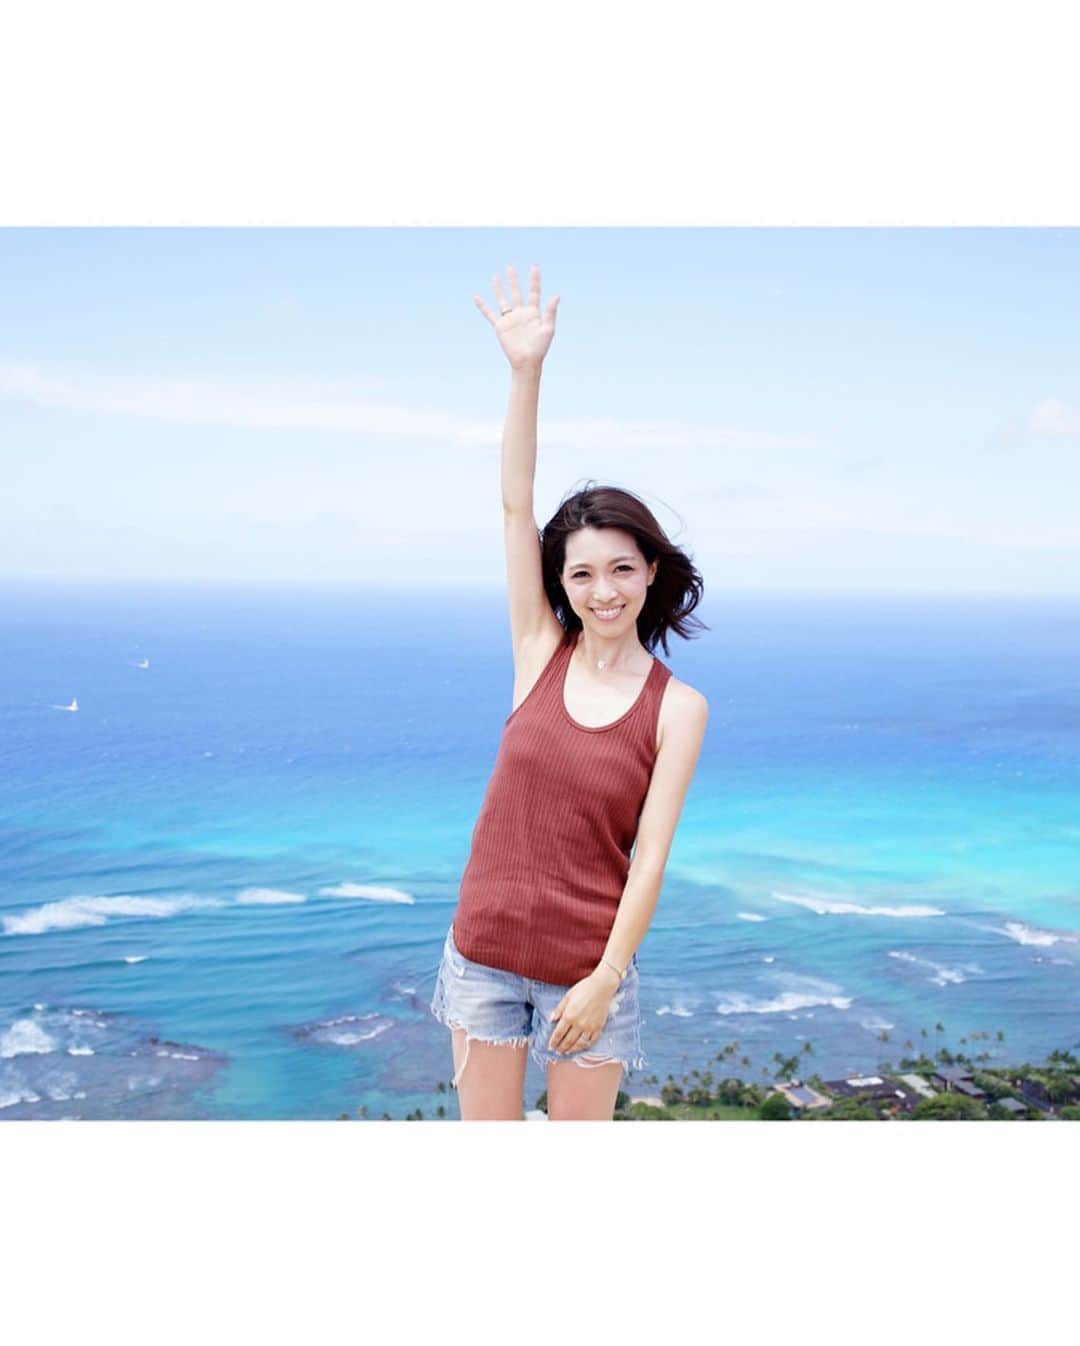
(225, 880)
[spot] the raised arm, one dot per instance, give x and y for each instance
(524, 334)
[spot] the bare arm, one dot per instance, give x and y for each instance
(519, 440)
(673, 770)
(525, 336)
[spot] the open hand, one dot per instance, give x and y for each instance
(524, 332)
(581, 1015)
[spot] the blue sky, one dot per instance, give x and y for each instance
(868, 409)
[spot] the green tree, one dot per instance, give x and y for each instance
(775, 1108)
(948, 1107)
(845, 1110)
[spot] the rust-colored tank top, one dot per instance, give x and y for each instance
(550, 850)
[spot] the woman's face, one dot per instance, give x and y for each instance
(605, 570)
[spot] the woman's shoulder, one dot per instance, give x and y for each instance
(681, 707)
(685, 699)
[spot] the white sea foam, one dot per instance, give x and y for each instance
(144, 1081)
(676, 1010)
(80, 1051)
(372, 893)
(801, 993)
(344, 1037)
(136, 957)
(768, 958)
(59, 1090)
(258, 897)
(25, 1037)
(830, 906)
(943, 975)
(346, 1031)
(9, 1097)
(402, 990)
(1031, 934)
(72, 912)
(788, 1000)
(875, 1025)
(750, 916)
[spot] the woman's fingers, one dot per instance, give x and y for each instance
(515, 292)
(569, 1041)
(561, 1033)
(497, 286)
(515, 295)
(484, 309)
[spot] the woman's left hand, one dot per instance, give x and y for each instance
(581, 1014)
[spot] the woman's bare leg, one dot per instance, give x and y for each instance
(582, 1093)
(492, 1087)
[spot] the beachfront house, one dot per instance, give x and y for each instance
(1014, 1106)
(958, 1079)
(802, 1097)
(1033, 1092)
(882, 1092)
(917, 1083)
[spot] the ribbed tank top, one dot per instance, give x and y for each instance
(550, 850)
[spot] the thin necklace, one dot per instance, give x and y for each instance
(600, 663)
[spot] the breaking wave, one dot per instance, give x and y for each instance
(829, 906)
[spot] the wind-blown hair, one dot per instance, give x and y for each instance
(673, 594)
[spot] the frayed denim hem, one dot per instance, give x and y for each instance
(443, 1017)
(544, 1059)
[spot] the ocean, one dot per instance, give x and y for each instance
(226, 878)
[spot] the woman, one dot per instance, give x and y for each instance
(596, 758)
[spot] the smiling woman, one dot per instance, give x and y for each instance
(596, 757)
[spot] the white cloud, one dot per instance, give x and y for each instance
(262, 405)
(1052, 417)
(278, 405)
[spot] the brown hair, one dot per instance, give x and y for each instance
(673, 594)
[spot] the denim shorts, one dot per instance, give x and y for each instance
(496, 1006)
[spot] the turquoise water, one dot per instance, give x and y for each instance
(226, 878)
